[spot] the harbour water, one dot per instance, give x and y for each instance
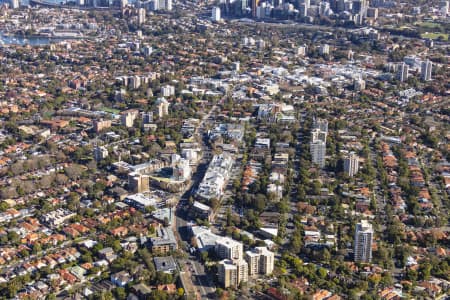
(20, 40)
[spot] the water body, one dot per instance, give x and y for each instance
(26, 2)
(33, 40)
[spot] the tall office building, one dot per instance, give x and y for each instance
(425, 70)
(351, 164)
(242, 7)
(255, 4)
(14, 4)
(215, 14)
(228, 248)
(340, 6)
(402, 72)
(232, 273)
(260, 261)
(444, 7)
(363, 242)
(141, 16)
(168, 5)
(303, 10)
(360, 7)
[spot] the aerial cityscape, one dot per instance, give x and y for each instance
(227, 149)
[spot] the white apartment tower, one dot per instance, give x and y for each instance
(425, 70)
(351, 164)
(318, 142)
(227, 248)
(162, 107)
(164, 5)
(215, 14)
(141, 16)
(260, 261)
(127, 117)
(232, 273)
(444, 7)
(168, 5)
(363, 242)
(403, 72)
(167, 91)
(14, 4)
(324, 49)
(359, 84)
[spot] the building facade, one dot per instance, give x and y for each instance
(351, 164)
(363, 242)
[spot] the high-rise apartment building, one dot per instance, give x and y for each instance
(127, 117)
(402, 72)
(228, 248)
(324, 49)
(444, 7)
(215, 14)
(260, 261)
(425, 70)
(100, 153)
(363, 242)
(138, 183)
(351, 164)
(14, 4)
(321, 124)
(232, 273)
(318, 142)
(141, 16)
(255, 4)
(167, 90)
(162, 106)
(318, 150)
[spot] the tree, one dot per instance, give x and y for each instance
(120, 293)
(37, 248)
(13, 237)
(74, 171)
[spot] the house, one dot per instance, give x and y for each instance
(71, 279)
(79, 272)
(142, 290)
(121, 278)
(168, 288)
(108, 254)
(119, 231)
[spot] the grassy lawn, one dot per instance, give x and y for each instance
(429, 25)
(434, 36)
(111, 110)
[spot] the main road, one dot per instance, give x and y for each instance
(202, 282)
